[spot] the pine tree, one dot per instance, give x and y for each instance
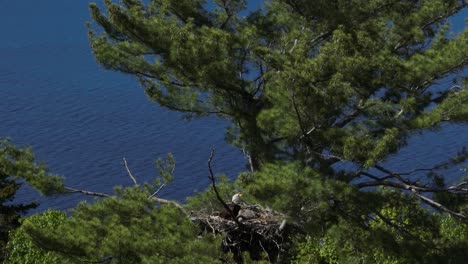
(298, 79)
(127, 228)
(307, 86)
(17, 163)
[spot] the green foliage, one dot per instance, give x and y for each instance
(319, 94)
(166, 168)
(21, 248)
(298, 78)
(391, 228)
(19, 163)
(15, 164)
(414, 236)
(128, 228)
(453, 241)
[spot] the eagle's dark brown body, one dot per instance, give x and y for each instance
(235, 208)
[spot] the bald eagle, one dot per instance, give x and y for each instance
(233, 206)
(236, 198)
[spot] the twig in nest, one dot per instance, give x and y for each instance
(264, 250)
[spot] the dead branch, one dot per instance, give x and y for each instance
(176, 204)
(98, 194)
(396, 180)
(157, 191)
(413, 186)
(130, 173)
(439, 206)
(151, 197)
(298, 115)
(444, 94)
(215, 189)
(320, 37)
(351, 116)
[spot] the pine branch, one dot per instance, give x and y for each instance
(404, 42)
(405, 184)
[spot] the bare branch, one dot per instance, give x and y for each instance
(242, 61)
(415, 187)
(378, 182)
(320, 37)
(157, 191)
(373, 176)
(437, 75)
(444, 94)
(176, 204)
(195, 111)
(293, 47)
(416, 190)
(351, 116)
(455, 160)
(130, 173)
(277, 139)
(439, 206)
(229, 14)
(296, 110)
(412, 186)
(215, 189)
(249, 158)
(98, 194)
(308, 132)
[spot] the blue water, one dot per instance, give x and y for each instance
(82, 120)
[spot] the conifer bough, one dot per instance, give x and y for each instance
(314, 82)
(307, 86)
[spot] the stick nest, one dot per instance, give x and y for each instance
(255, 230)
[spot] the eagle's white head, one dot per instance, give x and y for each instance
(236, 198)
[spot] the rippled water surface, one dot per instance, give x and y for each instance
(82, 120)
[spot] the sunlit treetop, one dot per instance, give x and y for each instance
(296, 78)
(316, 82)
